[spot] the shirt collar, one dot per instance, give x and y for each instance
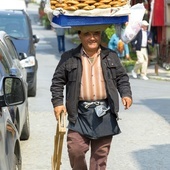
(83, 52)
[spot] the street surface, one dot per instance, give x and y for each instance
(144, 143)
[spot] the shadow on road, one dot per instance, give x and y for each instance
(160, 106)
(155, 158)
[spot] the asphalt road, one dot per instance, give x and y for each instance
(144, 143)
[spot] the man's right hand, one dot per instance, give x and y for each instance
(58, 110)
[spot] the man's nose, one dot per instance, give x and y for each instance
(92, 35)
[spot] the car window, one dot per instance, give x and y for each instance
(4, 65)
(14, 25)
(11, 48)
(6, 54)
(2, 69)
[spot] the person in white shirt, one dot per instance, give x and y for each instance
(139, 44)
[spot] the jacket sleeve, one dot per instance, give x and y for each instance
(122, 80)
(58, 82)
(137, 41)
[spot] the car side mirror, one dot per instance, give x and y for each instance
(36, 39)
(22, 56)
(13, 91)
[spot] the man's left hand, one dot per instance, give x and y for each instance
(127, 102)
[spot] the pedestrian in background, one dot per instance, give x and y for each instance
(60, 32)
(140, 45)
(41, 12)
(93, 76)
(27, 2)
(116, 44)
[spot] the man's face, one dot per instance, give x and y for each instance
(90, 40)
(145, 27)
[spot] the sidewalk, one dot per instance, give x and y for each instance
(162, 73)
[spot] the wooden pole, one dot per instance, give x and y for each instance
(58, 142)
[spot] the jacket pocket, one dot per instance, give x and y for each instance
(71, 71)
(111, 71)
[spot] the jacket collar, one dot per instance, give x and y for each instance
(104, 52)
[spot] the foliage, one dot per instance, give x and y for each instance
(110, 31)
(46, 21)
(127, 63)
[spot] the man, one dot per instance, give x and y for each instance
(61, 39)
(140, 44)
(92, 75)
(27, 2)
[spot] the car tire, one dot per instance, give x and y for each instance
(26, 129)
(16, 165)
(167, 67)
(32, 92)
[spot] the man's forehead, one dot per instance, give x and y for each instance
(91, 32)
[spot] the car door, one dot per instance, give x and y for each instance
(20, 112)
(15, 57)
(9, 62)
(7, 139)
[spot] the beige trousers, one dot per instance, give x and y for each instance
(142, 62)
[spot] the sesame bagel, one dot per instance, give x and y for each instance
(86, 4)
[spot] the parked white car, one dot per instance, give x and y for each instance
(13, 4)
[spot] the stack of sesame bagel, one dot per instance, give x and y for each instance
(73, 5)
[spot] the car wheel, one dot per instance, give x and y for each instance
(32, 92)
(16, 165)
(26, 128)
(167, 67)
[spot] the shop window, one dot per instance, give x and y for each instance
(167, 12)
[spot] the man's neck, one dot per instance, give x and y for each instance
(91, 53)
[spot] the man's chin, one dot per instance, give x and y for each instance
(93, 46)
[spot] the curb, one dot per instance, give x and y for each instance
(154, 77)
(159, 78)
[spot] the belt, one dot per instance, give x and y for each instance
(143, 47)
(88, 104)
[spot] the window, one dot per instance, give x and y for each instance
(14, 25)
(11, 48)
(4, 63)
(6, 54)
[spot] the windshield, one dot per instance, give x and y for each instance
(14, 25)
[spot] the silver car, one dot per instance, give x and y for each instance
(11, 94)
(10, 65)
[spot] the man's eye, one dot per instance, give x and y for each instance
(96, 33)
(86, 34)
